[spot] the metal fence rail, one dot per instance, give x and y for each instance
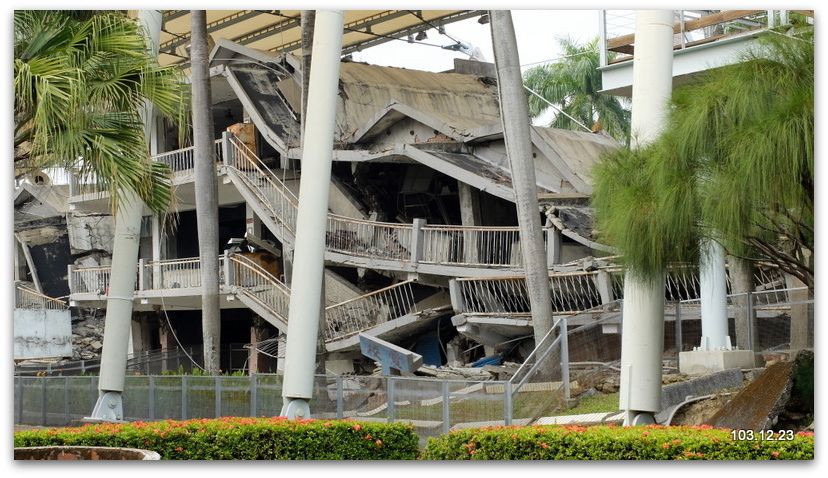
(560, 365)
(764, 321)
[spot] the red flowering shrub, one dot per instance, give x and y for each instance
(241, 438)
(653, 442)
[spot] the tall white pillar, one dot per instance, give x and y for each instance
(642, 339)
(311, 224)
(713, 288)
(117, 324)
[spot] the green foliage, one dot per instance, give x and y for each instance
(734, 164)
(653, 442)
(81, 82)
(235, 438)
(573, 86)
(599, 403)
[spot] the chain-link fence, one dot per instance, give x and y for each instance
(561, 366)
(766, 322)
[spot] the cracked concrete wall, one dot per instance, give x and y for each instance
(42, 334)
(90, 232)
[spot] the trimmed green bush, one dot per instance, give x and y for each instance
(608, 442)
(281, 439)
(235, 438)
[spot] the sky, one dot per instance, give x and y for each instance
(536, 32)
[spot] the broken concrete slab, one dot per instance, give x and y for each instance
(760, 404)
(676, 394)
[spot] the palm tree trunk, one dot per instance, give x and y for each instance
(206, 192)
(514, 111)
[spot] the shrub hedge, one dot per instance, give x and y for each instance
(281, 439)
(608, 442)
(235, 438)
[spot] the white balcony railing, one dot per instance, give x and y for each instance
(25, 298)
(692, 28)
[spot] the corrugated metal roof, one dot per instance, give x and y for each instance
(279, 31)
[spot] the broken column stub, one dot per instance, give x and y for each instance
(709, 361)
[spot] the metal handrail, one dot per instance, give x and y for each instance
(29, 299)
(250, 279)
(692, 28)
(367, 311)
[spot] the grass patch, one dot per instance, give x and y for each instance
(599, 403)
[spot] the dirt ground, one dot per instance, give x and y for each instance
(698, 413)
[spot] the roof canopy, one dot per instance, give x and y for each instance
(279, 31)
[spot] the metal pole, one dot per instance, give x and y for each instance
(254, 394)
(311, 224)
(642, 341)
(391, 399)
(507, 397)
(446, 409)
(340, 398)
(151, 393)
(565, 358)
(218, 396)
(183, 397)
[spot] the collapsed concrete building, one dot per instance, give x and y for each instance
(421, 214)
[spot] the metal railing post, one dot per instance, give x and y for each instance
(217, 389)
(20, 391)
(340, 398)
(391, 398)
(66, 399)
(507, 403)
(43, 401)
(183, 397)
(151, 393)
(446, 417)
(565, 357)
(254, 394)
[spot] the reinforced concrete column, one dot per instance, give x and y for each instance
(713, 289)
(119, 303)
(642, 339)
(311, 224)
